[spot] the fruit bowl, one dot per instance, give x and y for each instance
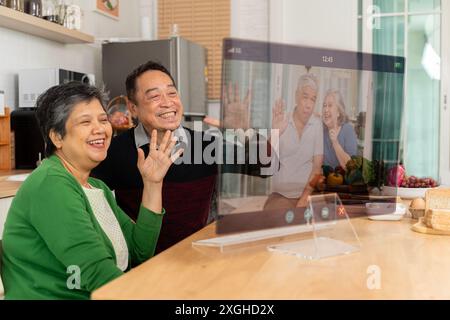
(405, 193)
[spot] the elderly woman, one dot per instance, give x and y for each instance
(64, 235)
(339, 138)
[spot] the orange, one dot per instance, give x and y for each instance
(335, 179)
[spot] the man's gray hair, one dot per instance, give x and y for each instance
(310, 80)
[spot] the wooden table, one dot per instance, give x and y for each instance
(412, 265)
(9, 188)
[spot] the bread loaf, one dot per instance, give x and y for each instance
(437, 209)
(438, 219)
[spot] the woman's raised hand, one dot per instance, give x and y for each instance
(333, 133)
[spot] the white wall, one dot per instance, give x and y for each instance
(250, 19)
(128, 25)
(325, 23)
(21, 51)
(320, 23)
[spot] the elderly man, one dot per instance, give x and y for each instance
(300, 148)
(188, 187)
(190, 183)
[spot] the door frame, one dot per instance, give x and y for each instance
(444, 134)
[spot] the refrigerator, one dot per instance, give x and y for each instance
(185, 60)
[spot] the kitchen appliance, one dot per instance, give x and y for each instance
(33, 82)
(185, 60)
(29, 144)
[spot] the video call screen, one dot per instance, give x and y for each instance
(301, 118)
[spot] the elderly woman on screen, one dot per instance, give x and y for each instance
(64, 235)
(339, 138)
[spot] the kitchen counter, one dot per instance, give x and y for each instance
(9, 188)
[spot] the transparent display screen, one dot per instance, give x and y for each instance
(302, 121)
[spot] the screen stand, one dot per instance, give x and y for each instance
(341, 238)
(327, 232)
(253, 239)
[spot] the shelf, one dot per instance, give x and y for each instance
(29, 24)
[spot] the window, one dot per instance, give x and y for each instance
(204, 22)
(410, 28)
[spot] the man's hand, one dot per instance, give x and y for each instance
(236, 110)
(302, 202)
(279, 117)
(155, 166)
(309, 188)
(212, 122)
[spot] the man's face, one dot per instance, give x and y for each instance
(306, 101)
(158, 105)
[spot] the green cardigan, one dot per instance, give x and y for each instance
(50, 228)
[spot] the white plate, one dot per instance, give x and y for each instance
(18, 177)
(405, 193)
(385, 211)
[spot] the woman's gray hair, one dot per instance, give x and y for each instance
(310, 80)
(342, 117)
(55, 105)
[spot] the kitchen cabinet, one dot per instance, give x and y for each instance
(5, 141)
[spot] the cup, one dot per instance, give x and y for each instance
(33, 7)
(61, 11)
(15, 4)
(49, 11)
(72, 18)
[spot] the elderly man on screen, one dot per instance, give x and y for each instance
(300, 148)
(298, 162)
